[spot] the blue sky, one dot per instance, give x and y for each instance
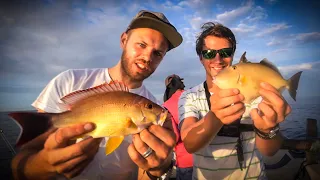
(40, 39)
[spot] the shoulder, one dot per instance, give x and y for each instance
(143, 91)
(196, 91)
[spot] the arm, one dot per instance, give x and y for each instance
(273, 110)
(196, 134)
(50, 154)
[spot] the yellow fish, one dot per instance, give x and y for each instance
(246, 76)
(111, 107)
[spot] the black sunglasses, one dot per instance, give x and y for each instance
(211, 53)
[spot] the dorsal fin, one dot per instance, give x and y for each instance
(243, 58)
(267, 63)
(76, 96)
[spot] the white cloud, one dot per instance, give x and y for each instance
(258, 13)
(230, 16)
(273, 28)
(308, 37)
(297, 67)
(168, 5)
(243, 28)
(279, 51)
(275, 41)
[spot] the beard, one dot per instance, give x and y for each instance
(126, 67)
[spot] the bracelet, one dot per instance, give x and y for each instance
(164, 176)
(272, 133)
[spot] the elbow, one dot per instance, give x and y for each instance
(191, 147)
(270, 153)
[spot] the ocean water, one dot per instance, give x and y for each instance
(294, 127)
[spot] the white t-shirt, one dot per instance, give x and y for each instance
(219, 160)
(118, 164)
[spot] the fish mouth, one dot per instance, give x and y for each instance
(162, 117)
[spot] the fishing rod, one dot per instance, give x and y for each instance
(13, 152)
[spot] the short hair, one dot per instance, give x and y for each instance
(217, 30)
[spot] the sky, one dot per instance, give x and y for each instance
(40, 39)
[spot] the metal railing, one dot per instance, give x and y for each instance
(3, 136)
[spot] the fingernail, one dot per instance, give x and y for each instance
(88, 127)
(236, 91)
(263, 84)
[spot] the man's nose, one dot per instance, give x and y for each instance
(218, 58)
(147, 56)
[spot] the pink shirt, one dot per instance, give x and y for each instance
(184, 159)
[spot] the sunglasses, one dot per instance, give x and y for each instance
(211, 53)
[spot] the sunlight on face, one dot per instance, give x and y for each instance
(143, 51)
(216, 64)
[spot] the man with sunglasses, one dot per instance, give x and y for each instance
(210, 122)
(147, 155)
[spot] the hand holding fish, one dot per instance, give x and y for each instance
(227, 105)
(272, 110)
(63, 158)
(161, 139)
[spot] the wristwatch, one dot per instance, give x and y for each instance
(165, 176)
(270, 135)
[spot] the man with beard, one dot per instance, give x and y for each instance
(146, 155)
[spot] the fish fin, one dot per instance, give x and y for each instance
(130, 123)
(242, 80)
(267, 63)
(76, 96)
(113, 143)
(32, 124)
(243, 58)
(293, 85)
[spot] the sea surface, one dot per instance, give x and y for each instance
(294, 127)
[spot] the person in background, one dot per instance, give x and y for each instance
(210, 122)
(174, 88)
(147, 155)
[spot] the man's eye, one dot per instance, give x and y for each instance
(158, 54)
(142, 45)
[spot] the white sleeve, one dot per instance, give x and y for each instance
(186, 107)
(49, 98)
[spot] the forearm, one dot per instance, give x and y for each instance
(202, 132)
(25, 164)
(269, 147)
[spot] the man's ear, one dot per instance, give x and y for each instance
(123, 39)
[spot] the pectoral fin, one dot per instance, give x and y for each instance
(113, 143)
(242, 80)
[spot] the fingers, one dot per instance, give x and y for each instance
(69, 166)
(226, 101)
(63, 135)
(168, 123)
(230, 114)
(159, 139)
(273, 98)
(78, 169)
(165, 135)
(137, 157)
(65, 154)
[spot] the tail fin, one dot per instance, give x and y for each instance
(293, 84)
(32, 124)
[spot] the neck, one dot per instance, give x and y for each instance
(116, 73)
(211, 86)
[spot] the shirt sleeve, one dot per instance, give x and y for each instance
(186, 107)
(49, 98)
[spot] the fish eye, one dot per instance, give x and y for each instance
(149, 106)
(234, 67)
